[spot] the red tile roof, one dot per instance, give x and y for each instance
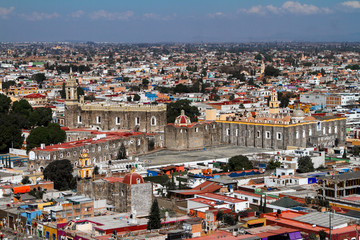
(34, 95)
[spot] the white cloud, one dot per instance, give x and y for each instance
(287, 7)
(77, 14)
(155, 16)
(217, 14)
(4, 12)
(351, 4)
(102, 14)
(38, 16)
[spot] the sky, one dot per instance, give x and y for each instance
(149, 21)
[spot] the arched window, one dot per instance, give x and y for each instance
(153, 121)
(137, 121)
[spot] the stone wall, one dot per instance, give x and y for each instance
(123, 197)
(100, 151)
(192, 137)
(310, 134)
(142, 118)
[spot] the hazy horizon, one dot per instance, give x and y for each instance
(162, 21)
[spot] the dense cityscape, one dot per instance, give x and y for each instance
(177, 141)
(172, 120)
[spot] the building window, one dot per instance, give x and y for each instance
(237, 132)
(138, 142)
(196, 129)
(74, 153)
(319, 126)
(137, 121)
(258, 134)
(324, 131)
(304, 135)
(99, 148)
(68, 154)
(79, 119)
(330, 130)
(228, 131)
(297, 135)
(267, 134)
(107, 147)
(310, 132)
(278, 136)
(214, 126)
(153, 121)
(98, 119)
(335, 129)
(117, 120)
(180, 130)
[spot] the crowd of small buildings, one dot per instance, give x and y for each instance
(240, 96)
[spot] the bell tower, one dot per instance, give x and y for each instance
(84, 167)
(274, 103)
(71, 90)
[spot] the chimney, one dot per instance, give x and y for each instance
(42, 145)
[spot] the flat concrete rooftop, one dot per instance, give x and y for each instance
(209, 153)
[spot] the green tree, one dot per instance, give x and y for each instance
(258, 57)
(10, 135)
(136, 97)
(61, 173)
(52, 134)
(271, 71)
(273, 165)
(173, 110)
(216, 97)
(129, 99)
(22, 107)
(312, 236)
(5, 103)
(80, 92)
(6, 85)
(63, 92)
(38, 77)
(26, 180)
(154, 217)
(322, 235)
(305, 165)
(356, 150)
(122, 152)
(96, 170)
(238, 163)
(40, 117)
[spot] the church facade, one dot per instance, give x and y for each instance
(111, 116)
(269, 130)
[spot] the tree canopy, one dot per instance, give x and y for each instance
(51, 134)
(5, 103)
(271, 71)
(305, 165)
(174, 109)
(273, 165)
(136, 97)
(61, 173)
(38, 77)
(154, 217)
(238, 163)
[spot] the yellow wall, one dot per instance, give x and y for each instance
(51, 229)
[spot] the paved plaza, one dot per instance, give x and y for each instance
(211, 153)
